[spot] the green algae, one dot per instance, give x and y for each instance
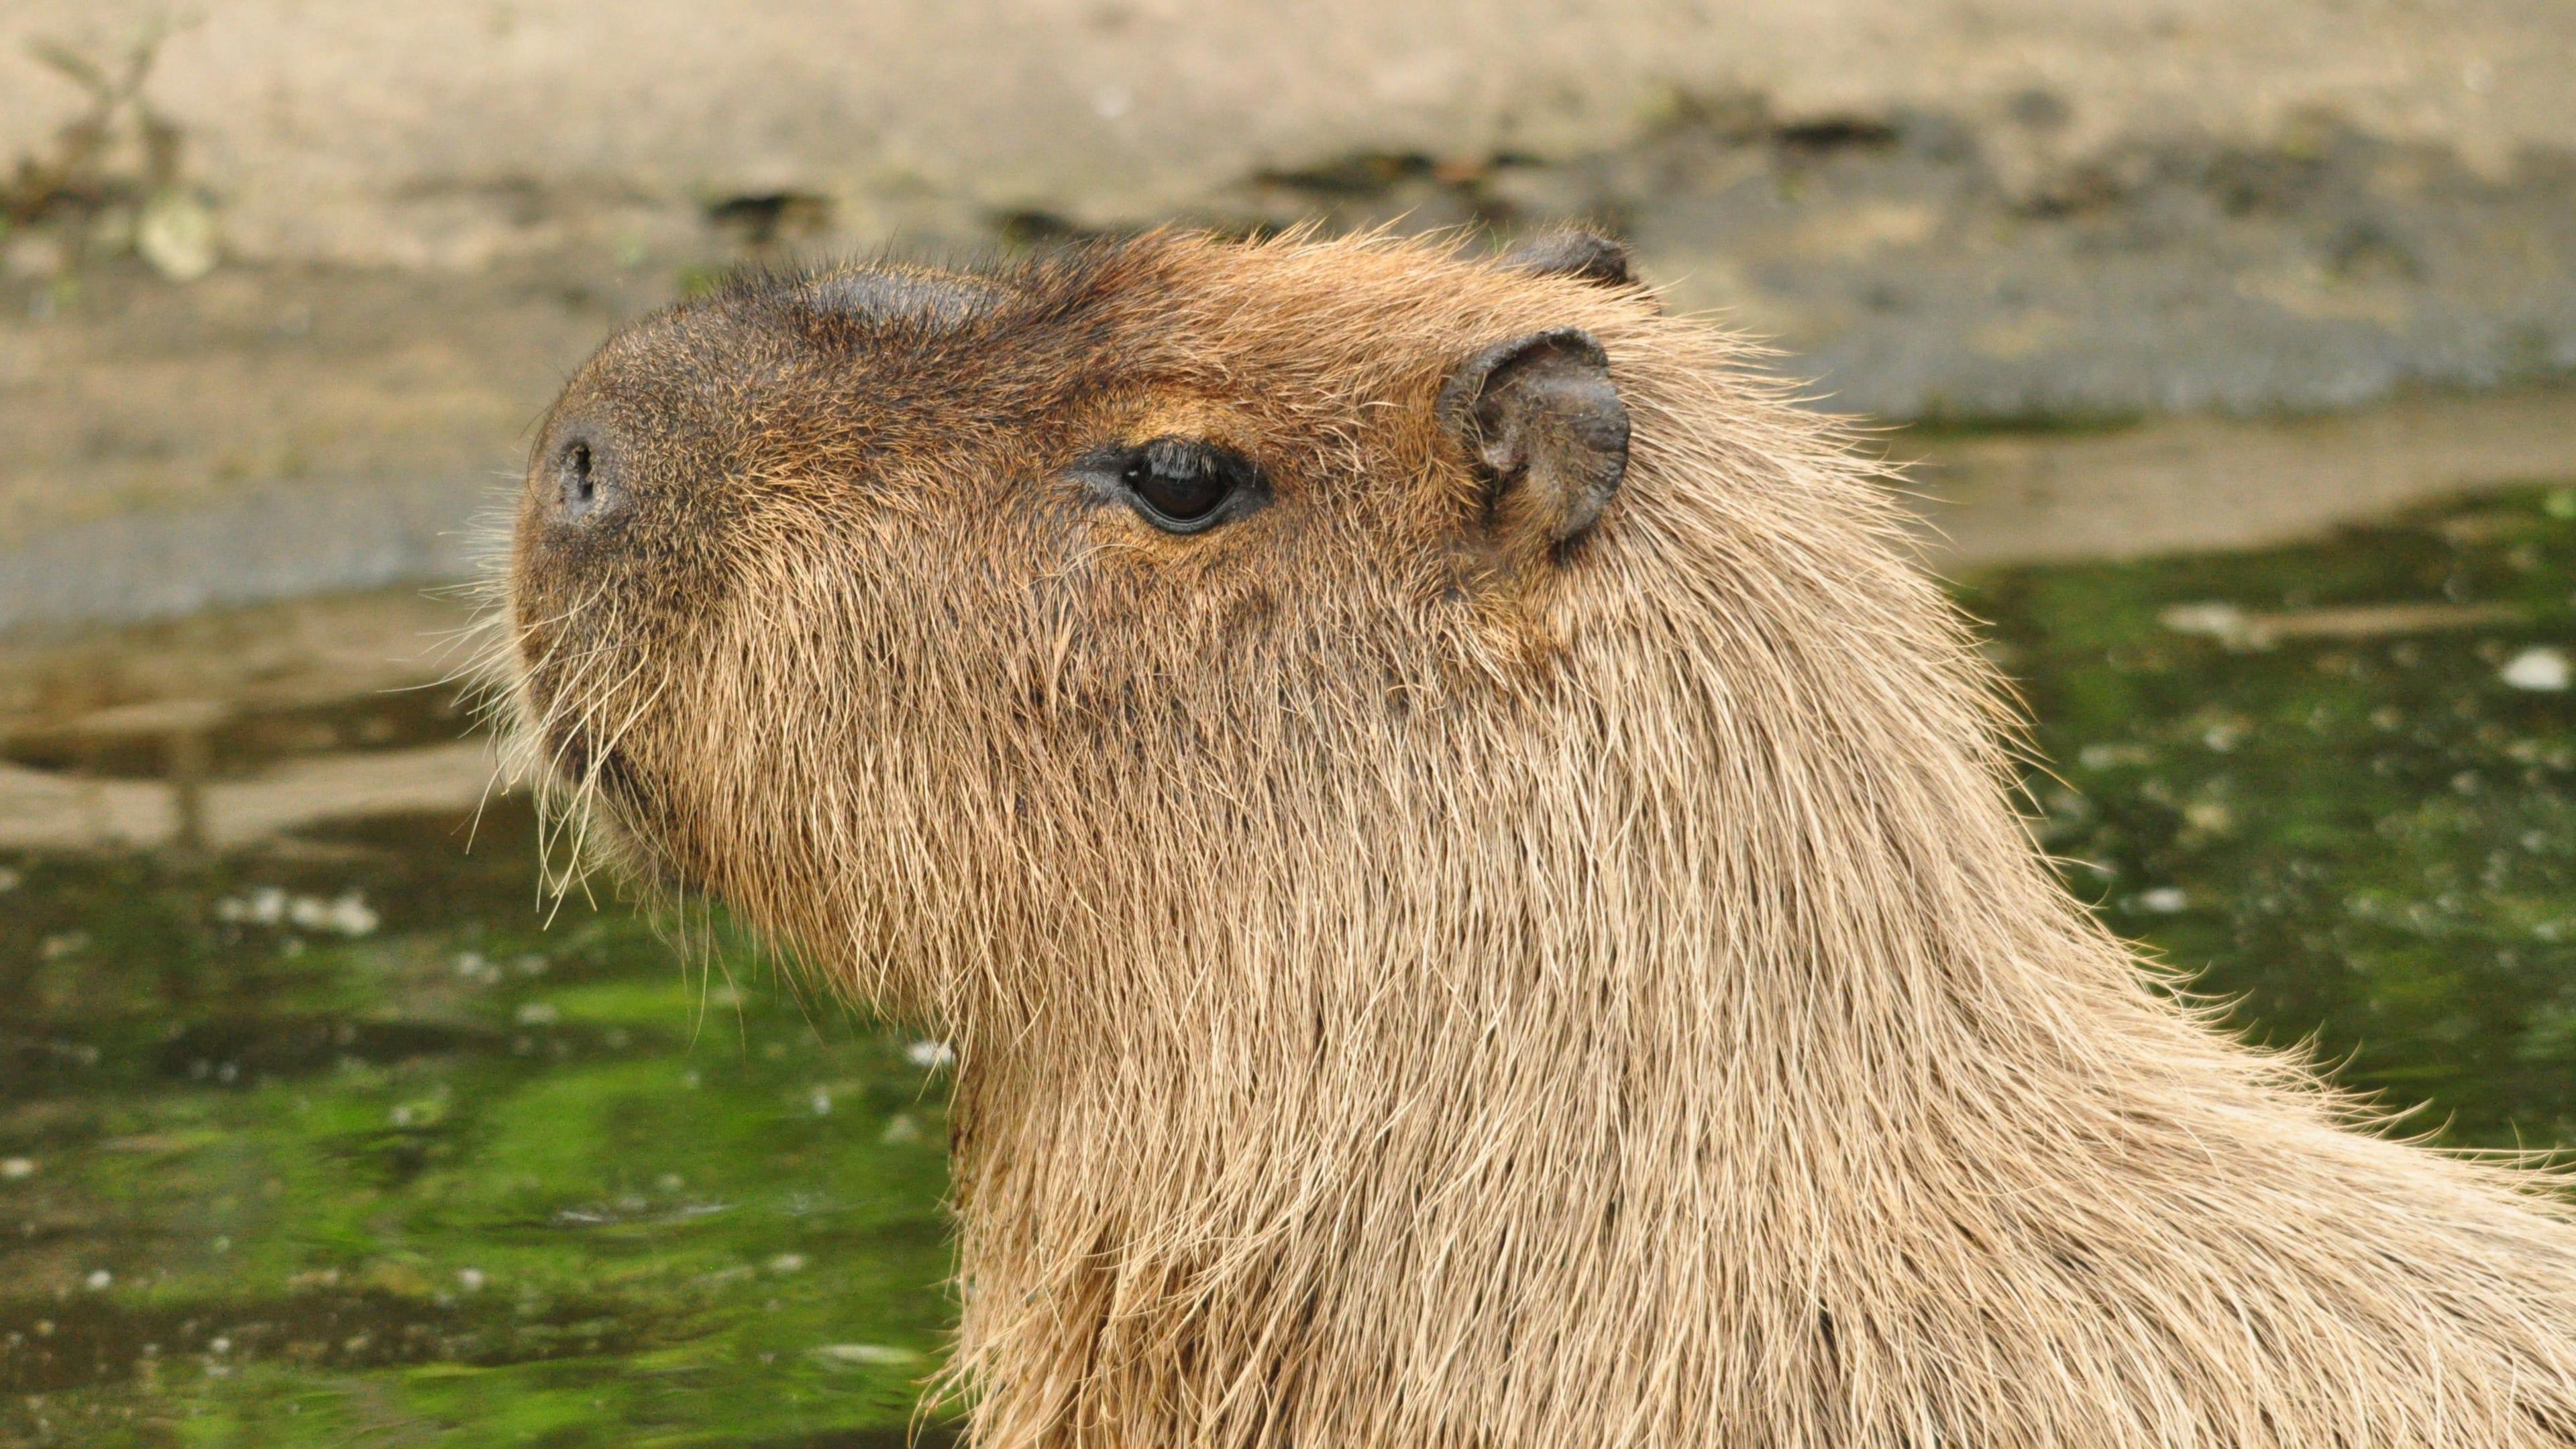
(446, 1176)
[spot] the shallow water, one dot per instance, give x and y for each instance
(2338, 785)
(344, 1146)
(338, 1141)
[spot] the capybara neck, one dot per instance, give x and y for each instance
(1519, 934)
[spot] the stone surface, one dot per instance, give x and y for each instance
(2199, 484)
(446, 134)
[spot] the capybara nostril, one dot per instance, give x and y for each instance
(584, 477)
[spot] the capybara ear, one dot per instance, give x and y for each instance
(1585, 256)
(1544, 425)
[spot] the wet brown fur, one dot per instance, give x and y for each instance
(1418, 985)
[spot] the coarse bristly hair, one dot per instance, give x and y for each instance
(1413, 985)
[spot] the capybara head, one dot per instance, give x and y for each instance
(921, 614)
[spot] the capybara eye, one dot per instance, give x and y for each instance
(1182, 485)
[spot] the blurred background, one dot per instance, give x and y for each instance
(2229, 346)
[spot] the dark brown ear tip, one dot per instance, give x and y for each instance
(1584, 256)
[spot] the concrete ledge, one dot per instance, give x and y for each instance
(245, 550)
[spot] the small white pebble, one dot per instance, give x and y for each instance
(98, 1279)
(265, 906)
(2163, 900)
(822, 1103)
(866, 1353)
(787, 1263)
(931, 1055)
(350, 916)
(470, 1279)
(2541, 668)
(14, 1168)
(219, 1344)
(2215, 620)
(2104, 757)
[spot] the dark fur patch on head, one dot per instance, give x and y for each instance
(1583, 255)
(883, 294)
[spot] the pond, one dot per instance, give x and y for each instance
(350, 1139)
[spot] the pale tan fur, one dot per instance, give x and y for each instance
(1420, 993)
